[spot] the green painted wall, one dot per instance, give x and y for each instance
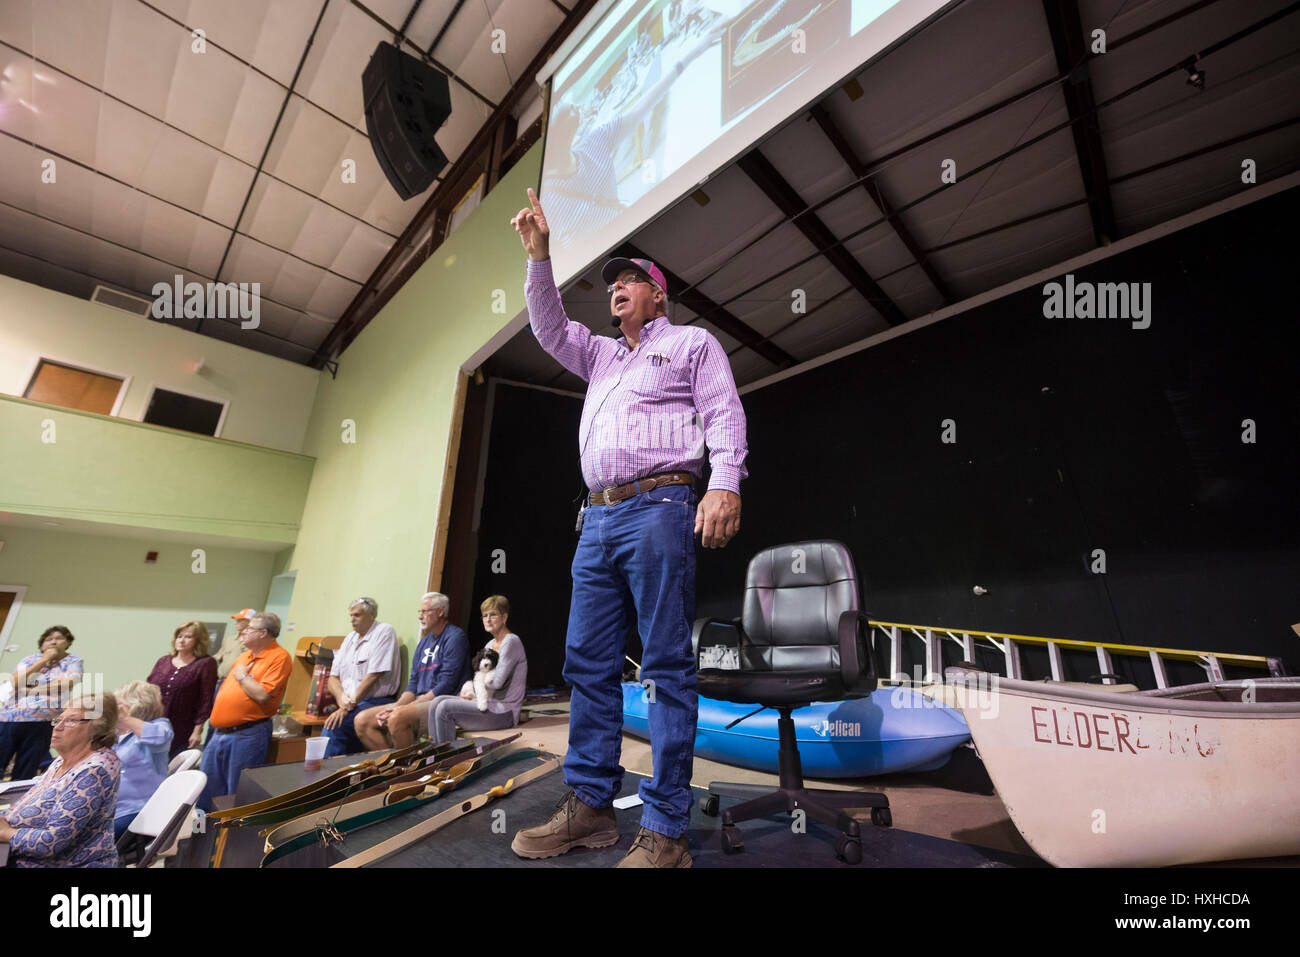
(125, 473)
(37, 322)
(122, 611)
(369, 524)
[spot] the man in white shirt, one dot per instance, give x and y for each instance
(365, 674)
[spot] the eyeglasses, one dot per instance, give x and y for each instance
(492, 614)
(58, 721)
(625, 283)
(251, 628)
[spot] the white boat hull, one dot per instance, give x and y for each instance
(1096, 779)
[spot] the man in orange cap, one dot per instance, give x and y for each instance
(231, 646)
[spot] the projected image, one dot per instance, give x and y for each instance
(610, 126)
(658, 82)
(762, 50)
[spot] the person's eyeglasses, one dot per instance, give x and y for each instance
(251, 628)
(494, 614)
(58, 721)
(624, 283)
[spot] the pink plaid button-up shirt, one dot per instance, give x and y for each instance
(648, 410)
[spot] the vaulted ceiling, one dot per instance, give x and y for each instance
(207, 139)
(226, 165)
(1056, 151)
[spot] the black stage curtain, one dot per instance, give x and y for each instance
(530, 493)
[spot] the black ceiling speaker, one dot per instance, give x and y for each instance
(406, 102)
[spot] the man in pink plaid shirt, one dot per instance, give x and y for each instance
(655, 399)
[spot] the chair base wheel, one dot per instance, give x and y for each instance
(710, 805)
(849, 848)
(881, 817)
(733, 840)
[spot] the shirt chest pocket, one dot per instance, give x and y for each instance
(362, 658)
(659, 377)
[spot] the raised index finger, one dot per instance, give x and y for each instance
(533, 201)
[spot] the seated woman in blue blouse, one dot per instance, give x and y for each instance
(66, 819)
(144, 740)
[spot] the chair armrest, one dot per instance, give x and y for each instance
(702, 623)
(851, 665)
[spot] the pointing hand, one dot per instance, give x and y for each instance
(530, 224)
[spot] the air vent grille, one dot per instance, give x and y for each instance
(136, 305)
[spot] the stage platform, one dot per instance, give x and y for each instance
(473, 842)
(482, 838)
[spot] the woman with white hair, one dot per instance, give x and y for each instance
(66, 819)
(143, 739)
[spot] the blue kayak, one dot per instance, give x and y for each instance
(892, 729)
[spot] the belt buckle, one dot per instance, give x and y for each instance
(606, 494)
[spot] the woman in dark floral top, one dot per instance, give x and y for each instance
(66, 819)
(187, 678)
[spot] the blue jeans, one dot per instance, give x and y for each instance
(343, 739)
(227, 754)
(635, 563)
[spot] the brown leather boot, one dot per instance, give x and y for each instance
(573, 824)
(651, 849)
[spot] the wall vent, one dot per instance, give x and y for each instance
(136, 305)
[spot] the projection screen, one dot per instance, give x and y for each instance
(659, 94)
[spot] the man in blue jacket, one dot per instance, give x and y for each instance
(440, 666)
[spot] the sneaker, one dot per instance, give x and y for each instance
(573, 824)
(651, 849)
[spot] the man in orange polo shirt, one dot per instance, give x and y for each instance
(241, 714)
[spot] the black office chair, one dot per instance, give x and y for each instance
(801, 638)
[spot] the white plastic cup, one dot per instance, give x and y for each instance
(315, 751)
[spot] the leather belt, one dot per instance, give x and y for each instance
(621, 493)
(241, 727)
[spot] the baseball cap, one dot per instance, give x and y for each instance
(246, 613)
(615, 266)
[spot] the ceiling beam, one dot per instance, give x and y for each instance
(401, 33)
(252, 183)
(787, 199)
(719, 316)
(367, 301)
(859, 170)
(445, 27)
(1072, 57)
